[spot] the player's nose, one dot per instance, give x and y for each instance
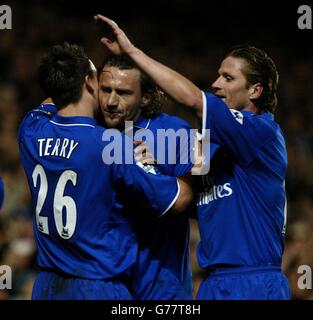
(113, 100)
(215, 85)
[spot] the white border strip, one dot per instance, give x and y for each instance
(174, 200)
(73, 124)
(43, 111)
(204, 113)
(137, 127)
(147, 124)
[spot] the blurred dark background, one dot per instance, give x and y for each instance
(189, 36)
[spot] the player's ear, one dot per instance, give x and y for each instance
(47, 100)
(90, 84)
(146, 99)
(255, 91)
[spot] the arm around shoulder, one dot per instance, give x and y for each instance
(185, 196)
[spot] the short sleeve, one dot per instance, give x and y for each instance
(243, 133)
(145, 183)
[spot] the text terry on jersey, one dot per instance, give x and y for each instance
(59, 147)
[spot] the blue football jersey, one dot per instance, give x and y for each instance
(241, 204)
(162, 271)
(79, 223)
(1, 192)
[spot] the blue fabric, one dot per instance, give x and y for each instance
(267, 283)
(241, 202)
(162, 271)
(79, 223)
(52, 286)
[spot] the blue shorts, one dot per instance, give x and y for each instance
(245, 283)
(52, 286)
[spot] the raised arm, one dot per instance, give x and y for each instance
(174, 84)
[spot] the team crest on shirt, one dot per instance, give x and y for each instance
(148, 168)
(237, 115)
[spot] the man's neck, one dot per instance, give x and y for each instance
(78, 109)
(122, 125)
(251, 108)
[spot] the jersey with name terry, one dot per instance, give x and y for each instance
(79, 225)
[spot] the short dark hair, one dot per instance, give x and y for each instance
(62, 72)
(123, 62)
(260, 68)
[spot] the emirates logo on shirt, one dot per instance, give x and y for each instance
(216, 192)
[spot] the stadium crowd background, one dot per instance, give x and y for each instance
(192, 40)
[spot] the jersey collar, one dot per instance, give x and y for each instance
(142, 122)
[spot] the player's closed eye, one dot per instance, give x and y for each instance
(228, 78)
(123, 92)
(106, 90)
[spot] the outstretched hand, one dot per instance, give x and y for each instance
(121, 43)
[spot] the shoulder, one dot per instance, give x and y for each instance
(45, 110)
(113, 137)
(265, 122)
(42, 113)
(264, 129)
(165, 121)
(100, 135)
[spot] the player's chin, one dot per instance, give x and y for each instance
(113, 122)
(227, 102)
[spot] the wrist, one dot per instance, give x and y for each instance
(133, 52)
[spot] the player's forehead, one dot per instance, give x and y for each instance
(115, 75)
(232, 65)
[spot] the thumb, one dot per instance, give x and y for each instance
(106, 41)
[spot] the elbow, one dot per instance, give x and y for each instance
(194, 100)
(184, 199)
(182, 204)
